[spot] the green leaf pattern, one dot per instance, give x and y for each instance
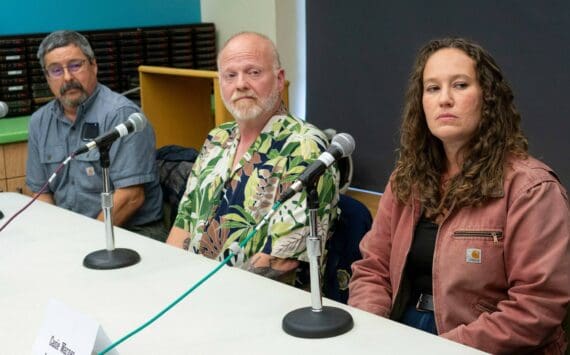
(221, 206)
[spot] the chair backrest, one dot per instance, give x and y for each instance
(174, 166)
(343, 247)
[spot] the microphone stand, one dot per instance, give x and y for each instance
(316, 321)
(109, 258)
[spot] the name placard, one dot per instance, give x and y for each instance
(69, 332)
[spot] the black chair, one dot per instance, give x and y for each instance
(343, 247)
(174, 166)
(566, 327)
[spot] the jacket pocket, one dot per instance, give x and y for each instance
(495, 236)
(51, 157)
(52, 154)
(485, 306)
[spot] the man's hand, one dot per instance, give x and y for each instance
(270, 266)
(179, 238)
(46, 197)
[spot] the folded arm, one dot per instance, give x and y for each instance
(126, 201)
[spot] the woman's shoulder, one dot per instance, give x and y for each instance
(528, 167)
(525, 173)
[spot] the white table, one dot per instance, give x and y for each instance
(235, 312)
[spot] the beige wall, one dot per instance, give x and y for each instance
(281, 20)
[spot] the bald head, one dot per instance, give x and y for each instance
(258, 40)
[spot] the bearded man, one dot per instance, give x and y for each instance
(245, 165)
(82, 110)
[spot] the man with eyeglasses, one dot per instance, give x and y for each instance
(82, 110)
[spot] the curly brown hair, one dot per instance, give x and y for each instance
(422, 159)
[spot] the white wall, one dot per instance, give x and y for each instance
(291, 42)
(281, 20)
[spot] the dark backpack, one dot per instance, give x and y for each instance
(174, 166)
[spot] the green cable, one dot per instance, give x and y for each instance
(196, 285)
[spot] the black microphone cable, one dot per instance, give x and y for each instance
(44, 187)
(135, 123)
(346, 149)
(232, 253)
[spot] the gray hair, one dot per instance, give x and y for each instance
(64, 38)
(276, 60)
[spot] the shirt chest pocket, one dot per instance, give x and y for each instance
(86, 173)
(53, 154)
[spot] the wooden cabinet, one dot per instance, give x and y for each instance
(178, 104)
(183, 105)
(13, 158)
(2, 167)
(18, 185)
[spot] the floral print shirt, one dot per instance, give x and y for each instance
(222, 205)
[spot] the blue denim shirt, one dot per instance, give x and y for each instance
(78, 187)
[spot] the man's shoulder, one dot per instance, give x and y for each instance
(297, 128)
(223, 131)
(111, 100)
(226, 126)
(307, 133)
(42, 115)
(108, 108)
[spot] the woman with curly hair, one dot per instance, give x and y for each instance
(471, 239)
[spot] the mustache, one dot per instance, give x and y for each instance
(237, 95)
(71, 85)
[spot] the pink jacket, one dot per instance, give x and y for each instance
(500, 271)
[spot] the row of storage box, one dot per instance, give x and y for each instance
(118, 52)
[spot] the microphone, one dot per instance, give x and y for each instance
(3, 109)
(342, 145)
(135, 123)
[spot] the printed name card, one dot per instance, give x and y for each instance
(69, 332)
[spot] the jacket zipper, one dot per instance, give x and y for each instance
(398, 296)
(496, 235)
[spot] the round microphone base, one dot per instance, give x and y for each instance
(306, 323)
(111, 259)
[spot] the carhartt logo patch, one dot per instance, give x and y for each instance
(473, 255)
(90, 171)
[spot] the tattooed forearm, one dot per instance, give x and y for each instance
(267, 271)
(186, 243)
(280, 269)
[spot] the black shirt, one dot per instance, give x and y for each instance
(420, 258)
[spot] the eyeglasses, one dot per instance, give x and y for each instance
(73, 67)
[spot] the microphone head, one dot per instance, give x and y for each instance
(344, 143)
(3, 109)
(138, 120)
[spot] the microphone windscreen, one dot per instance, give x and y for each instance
(138, 120)
(344, 142)
(3, 109)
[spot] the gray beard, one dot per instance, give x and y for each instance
(253, 113)
(74, 103)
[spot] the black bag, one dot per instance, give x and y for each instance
(174, 166)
